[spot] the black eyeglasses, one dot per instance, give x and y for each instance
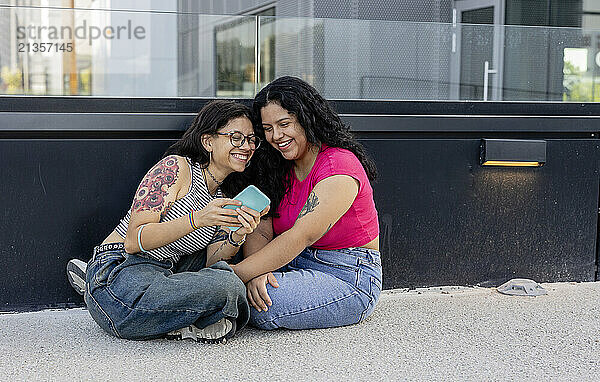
(238, 139)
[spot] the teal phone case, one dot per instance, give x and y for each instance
(250, 197)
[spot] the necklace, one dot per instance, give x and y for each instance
(213, 178)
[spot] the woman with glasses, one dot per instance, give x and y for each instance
(316, 263)
(148, 278)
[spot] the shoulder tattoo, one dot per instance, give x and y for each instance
(150, 195)
(311, 203)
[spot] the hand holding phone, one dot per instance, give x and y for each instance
(250, 197)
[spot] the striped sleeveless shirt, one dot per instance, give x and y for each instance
(197, 198)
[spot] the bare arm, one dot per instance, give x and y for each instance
(221, 248)
(161, 187)
(215, 249)
(327, 203)
(256, 289)
(261, 236)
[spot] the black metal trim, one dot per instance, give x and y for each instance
(362, 135)
(60, 104)
(179, 122)
(89, 135)
(376, 135)
(473, 123)
(102, 104)
(597, 272)
(138, 122)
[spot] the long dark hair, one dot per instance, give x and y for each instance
(320, 122)
(214, 116)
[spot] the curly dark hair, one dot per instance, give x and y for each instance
(212, 117)
(321, 124)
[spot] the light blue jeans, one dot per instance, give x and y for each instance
(138, 298)
(322, 289)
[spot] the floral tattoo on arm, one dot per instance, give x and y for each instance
(311, 203)
(150, 195)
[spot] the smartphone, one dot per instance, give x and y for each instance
(250, 197)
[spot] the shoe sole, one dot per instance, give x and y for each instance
(76, 275)
(205, 335)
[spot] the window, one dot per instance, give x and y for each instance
(235, 55)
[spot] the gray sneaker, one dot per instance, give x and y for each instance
(76, 274)
(217, 333)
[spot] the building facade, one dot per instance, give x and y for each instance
(545, 50)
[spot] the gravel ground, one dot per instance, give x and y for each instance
(449, 333)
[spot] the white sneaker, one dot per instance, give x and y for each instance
(217, 333)
(76, 274)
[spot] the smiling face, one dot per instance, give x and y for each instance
(283, 131)
(226, 157)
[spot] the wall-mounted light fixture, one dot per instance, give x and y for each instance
(513, 152)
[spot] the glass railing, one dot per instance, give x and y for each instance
(57, 52)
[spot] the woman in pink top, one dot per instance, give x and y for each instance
(315, 262)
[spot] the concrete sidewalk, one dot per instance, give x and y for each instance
(450, 333)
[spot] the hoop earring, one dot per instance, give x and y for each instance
(247, 164)
(209, 157)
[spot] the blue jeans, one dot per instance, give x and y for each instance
(322, 289)
(139, 298)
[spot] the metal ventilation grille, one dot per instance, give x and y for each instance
(407, 61)
(562, 13)
(391, 10)
(359, 59)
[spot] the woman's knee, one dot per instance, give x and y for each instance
(281, 303)
(262, 320)
(229, 284)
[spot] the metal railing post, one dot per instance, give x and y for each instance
(486, 72)
(257, 55)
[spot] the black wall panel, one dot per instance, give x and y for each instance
(444, 219)
(59, 199)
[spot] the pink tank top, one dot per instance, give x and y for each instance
(358, 226)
